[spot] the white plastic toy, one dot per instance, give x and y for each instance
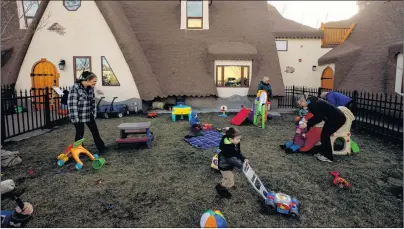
(344, 132)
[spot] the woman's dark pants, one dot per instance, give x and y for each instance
(94, 131)
(330, 127)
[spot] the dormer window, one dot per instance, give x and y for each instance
(194, 14)
(26, 12)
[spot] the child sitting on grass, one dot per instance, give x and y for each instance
(298, 140)
(230, 156)
(196, 126)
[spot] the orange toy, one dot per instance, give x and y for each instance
(207, 126)
(74, 150)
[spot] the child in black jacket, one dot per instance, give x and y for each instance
(230, 156)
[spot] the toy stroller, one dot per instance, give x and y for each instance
(274, 202)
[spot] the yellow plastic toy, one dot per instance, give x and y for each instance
(74, 150)
(181, 110)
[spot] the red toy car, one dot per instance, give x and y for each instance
(152, 115)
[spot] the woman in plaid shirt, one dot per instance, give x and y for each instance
(82, 109)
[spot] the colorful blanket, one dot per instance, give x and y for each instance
(210, 139)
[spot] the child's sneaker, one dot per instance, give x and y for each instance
(322, 158)
(283, 147)
(222, 191)
(289, 151)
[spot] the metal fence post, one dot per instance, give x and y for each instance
(48, 124)
(354, 101)
(319, 92)
(3, 123)
(293, 96)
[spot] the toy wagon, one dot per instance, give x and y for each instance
(106, 110)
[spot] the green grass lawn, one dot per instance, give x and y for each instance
(172, 185)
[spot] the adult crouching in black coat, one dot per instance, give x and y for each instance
(333, 119)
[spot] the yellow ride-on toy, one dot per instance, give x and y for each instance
(74, 150)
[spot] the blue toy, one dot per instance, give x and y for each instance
(106, 110)
(281, 203)
(303, 112)
(274, 202)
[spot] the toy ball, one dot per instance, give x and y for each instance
(213, 219)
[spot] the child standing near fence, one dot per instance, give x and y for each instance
(230, 156)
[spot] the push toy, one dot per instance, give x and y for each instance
(106, 110)
(74, 150)
(223, 109)
(274, 202)
(339, 181)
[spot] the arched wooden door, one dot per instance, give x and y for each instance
(43, 74)
(327, 78)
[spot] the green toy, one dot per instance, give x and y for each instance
(354, 147)
(261, 108)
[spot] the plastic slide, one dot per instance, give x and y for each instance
(240, 117)
(312, 138)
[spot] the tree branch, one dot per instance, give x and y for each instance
(12, 16)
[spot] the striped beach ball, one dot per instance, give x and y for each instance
(213, 219)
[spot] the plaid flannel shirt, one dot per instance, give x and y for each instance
(81, 104)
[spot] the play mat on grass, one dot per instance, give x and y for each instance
(210, 139)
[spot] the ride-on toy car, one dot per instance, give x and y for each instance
(106, 110)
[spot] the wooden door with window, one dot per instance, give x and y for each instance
(44, 74)
(327, 78)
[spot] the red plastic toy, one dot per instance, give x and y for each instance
(207, 126)
(152, 115)
(339, 181)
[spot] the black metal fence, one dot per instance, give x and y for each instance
(25, 111)
(376, 113)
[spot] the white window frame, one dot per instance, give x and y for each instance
(233, 63)
(23, 20)
(399, 74)
(205, 15)
(278, 46)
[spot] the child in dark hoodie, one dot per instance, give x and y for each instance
(196, 126)
(265, 85)
(230, 156)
